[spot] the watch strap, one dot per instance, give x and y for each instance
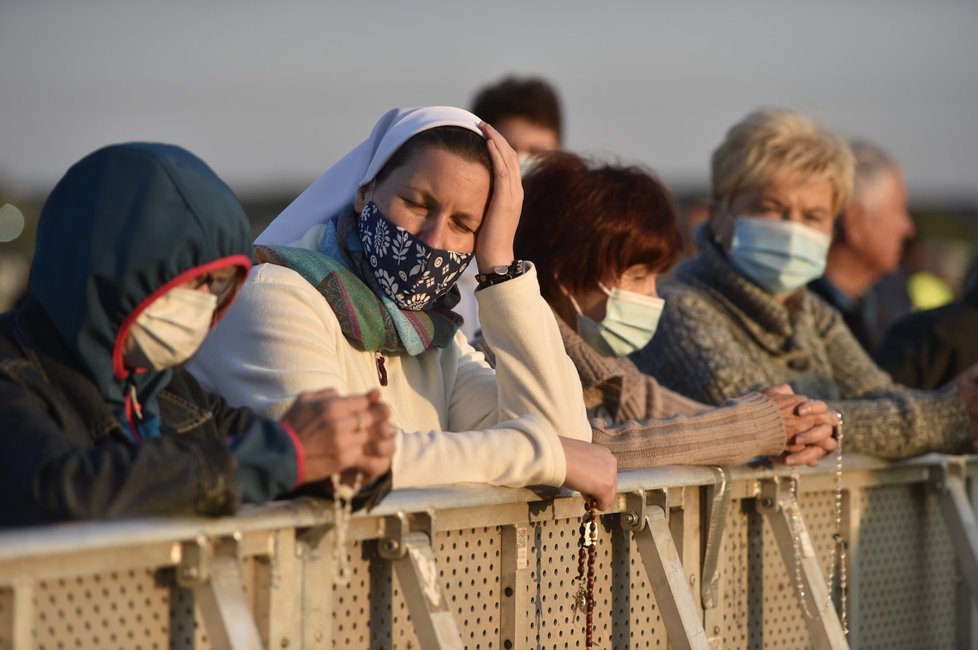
(500, 273)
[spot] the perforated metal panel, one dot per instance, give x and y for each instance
(761, 609)
(121, 609)
(735, 576)
(645, 628)
(902, 577)
(352, 605)
(125, 609)
(186, 631)
(469, 571)
(784, 624)
(625, 612)
(554, 563)
(906, 571)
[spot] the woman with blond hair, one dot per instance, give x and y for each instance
(738, 315)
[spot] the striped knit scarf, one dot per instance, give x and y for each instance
(369, 319)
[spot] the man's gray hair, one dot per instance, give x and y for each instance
(871, 163)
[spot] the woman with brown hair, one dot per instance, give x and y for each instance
(599, 236)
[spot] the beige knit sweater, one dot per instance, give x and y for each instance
(721, 335)
(645, 424)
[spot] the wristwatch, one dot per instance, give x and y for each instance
(500, 273)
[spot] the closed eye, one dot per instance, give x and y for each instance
(463, 226)
(417, 206)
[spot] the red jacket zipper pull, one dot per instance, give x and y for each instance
(381, 370)
(135, 401)
(131, 404)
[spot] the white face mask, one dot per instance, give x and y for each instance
(629, 322)
(171, 329)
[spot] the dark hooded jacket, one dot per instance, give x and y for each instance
(124, 226)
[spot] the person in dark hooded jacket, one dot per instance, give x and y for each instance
(140, 250)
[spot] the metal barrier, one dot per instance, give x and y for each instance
(692, 557)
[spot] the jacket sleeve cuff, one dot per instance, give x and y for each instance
(268, 463)
(300, 454)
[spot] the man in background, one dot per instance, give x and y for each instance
(868, 243)
(526, 111)
(927, 349)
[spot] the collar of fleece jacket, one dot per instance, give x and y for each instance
(124, 226)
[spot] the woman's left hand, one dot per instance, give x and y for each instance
(592, 470)
(818, 440)
(494, 243)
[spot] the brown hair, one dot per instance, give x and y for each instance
(465, 143)
(531, 98)
(584, 223)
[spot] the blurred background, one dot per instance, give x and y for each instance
(271, 94)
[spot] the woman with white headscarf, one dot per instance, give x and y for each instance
(354, 290)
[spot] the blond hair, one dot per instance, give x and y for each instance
(767, 143)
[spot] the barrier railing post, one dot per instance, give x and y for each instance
(16, 623)
(719, 501)
(513, 583)
(215, 576)
(278, 590)
(649, 523)
(410, 553)
(317, 575)
(967, 636)
(948, 481)
(782, 511)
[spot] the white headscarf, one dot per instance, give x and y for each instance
(337, 187)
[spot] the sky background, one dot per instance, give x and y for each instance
(271, 94)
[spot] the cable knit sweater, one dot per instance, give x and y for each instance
(645, 424)
(721, 335)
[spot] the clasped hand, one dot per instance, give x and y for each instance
(343, 435)
(809, 426)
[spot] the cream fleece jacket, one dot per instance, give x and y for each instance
(459, 420)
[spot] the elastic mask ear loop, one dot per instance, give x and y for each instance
(570, 297)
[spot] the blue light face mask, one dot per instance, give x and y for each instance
(778, 256)
(628, 325)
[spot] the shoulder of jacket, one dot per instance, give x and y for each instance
(17, 365)
(266, 273)
(274, 284)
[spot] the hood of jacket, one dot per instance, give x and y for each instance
(125, 225)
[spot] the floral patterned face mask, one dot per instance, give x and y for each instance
(410, 271)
